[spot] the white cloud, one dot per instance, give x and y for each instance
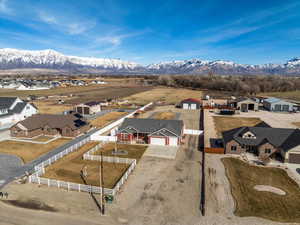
(4, 8)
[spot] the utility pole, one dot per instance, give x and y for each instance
(102, 186)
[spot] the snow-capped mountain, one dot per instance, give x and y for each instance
(50, 59)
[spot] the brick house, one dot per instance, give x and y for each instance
(46, 124)
(151, 131)
(264, 141)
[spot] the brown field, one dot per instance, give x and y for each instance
(29, 151)
(43, 138)
(296, 124)
(164, 116)
(223, 123)
(68, 169)
(51, 106)
(292, 95)
(250, 202)
(134, 151)
(82, 93)
(167, 95)
(107, 118)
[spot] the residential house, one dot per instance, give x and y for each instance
(13, 110)
(278, 105)
(88, 108)
(190, 103)
(45, 124)
(151, 131)
(264, 141)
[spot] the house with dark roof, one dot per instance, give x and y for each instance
(264, 141)
(190, 103)
(69, 125)
(151, 131)
(13, 110)
(88, 108)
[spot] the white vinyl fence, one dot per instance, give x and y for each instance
(107, 138)
(40, 170)
(193, 132)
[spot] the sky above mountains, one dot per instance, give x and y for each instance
(249, 32)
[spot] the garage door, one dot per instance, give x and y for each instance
(185, 106)
(193, 106)
(294, 158)
(277, 107)
(285, 108)
(86, 110)
(173, 141)
(158, 141)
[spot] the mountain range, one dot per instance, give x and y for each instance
(18, 60)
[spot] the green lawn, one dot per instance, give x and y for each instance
(249, 202)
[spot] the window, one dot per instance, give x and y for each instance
(267, 151)
(233, 148)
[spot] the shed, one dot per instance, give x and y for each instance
(190, 103)
(278, 105)
(247, 104)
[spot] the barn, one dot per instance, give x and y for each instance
(278, 105)
(151, 131)
(190, 103)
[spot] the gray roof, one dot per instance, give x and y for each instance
(6, 102)
(279, 137)
(19, 107)
(149, 126)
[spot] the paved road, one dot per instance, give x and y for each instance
(20, 171)
(9, 164)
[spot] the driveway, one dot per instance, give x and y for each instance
(8, 166)
(166, 152)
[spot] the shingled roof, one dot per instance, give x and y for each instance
(53, 121)
(283, 138)
(149, 126)
(6, 102)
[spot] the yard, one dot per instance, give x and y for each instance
(250, 202)
(167, 95)
(107, 118)
(29, 151)
(223, 123)
(51, 106)
(164, 115)
(68, 169)
(133, 151)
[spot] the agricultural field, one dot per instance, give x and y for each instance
(29, 151)
(107, 118)
(250, 202)
(69, 167)
(167, 95)
(223, 123)
(133, 151)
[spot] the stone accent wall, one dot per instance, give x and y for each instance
(261, 150)
(239, 148)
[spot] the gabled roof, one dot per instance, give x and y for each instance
(19, 107)
(91, 103)
(279, 137)
(6, 102)
(191, 100)
(149, 126)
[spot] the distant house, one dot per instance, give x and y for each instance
(247, 104)
(88, 108)
(264, 141)
(190, 103)
(278, 105)
(46, 124)
(151, 131)
(13, 110)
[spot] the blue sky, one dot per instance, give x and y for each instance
(151, 31)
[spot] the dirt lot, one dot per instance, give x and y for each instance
(250, 202)
(29, 151)
(107, 118)
(133, 151)
(69, 167)
(51, 106)
(167, 95)
(164, 115)
(223, 123)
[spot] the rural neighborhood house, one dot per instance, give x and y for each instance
(88, 108)
(151, 131)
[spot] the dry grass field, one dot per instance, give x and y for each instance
(68, 169)
(107, 118)
(167, 95)
(164, 116)
(29, 151)
(292, 95)
(296, 124)
(250, 202)
(51, 106)
(42, 138)
(134, 151)
(223, 123)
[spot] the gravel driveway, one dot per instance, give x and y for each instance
(8, 166)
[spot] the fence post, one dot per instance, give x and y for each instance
(68, 186)
(79, 187)
(48, 182)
